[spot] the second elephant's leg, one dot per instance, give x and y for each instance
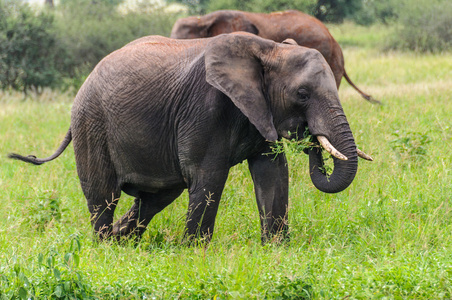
(146, 206)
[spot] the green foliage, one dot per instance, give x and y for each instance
(299, 146)
(291, 289)
(43, 211)
(54, 276)
(105, 29)
(261, 5)
(196, 7)
(29, 52)
(295, 145)
(351, 35)
(336, 10)
(60, 47)
(424, 26)
(384, 11)
(410, 145)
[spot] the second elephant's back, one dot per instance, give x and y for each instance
(306, 30)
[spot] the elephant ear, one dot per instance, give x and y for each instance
(228, 22)
(290, 42)
(233, 66)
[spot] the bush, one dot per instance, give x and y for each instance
(425, 26)
(59, 47)
(383, 11)
(336, 11)
(54, 276)
(91, 30)
(29, 52)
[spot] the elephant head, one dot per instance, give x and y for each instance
(213, 24)
(282, 89)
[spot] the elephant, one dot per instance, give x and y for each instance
(277, 26)
(162, 115)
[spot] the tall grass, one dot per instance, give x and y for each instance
(387, 235)
(424, 26)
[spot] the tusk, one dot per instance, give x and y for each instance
(329, 148)
(364, 155)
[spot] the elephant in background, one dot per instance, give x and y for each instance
(304, 29)
(162, 115)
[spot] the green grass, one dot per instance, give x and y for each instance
(349, 34)
(386, 236)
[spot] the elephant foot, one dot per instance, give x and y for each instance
(278, 238)
(129, 225)
(192, 240)
(278, 233)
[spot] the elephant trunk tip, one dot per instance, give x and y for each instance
(342, 175)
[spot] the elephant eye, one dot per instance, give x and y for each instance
(303, 94)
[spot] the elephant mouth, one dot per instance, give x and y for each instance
(328, 175)
(296, 133)
(309, 141)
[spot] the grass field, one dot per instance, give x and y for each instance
(388, 236)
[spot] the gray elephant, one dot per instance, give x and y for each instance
(161, 115)
(306, 30)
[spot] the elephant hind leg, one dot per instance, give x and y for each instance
(101, 207)
(102, 195)
(146, 206)
(98, 177)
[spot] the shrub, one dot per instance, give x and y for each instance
(29, 53)
(425, 26)
(90, 30)
(54, 276)
(383, 11)
(60, 46)
(336, 10)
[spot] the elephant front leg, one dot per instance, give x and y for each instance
(204, 196)
(271, 184)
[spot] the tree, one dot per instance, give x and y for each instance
(336, 10)
(29, 53)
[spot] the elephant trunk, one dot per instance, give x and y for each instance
(344, 170)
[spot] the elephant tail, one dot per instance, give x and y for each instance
(39, 161)
(364, 95)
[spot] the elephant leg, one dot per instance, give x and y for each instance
(271, 184)
(204, 194)
(135, 221)
(101, 207)
(96, 171)
(99, 185)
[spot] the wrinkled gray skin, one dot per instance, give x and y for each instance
(304, 29)
(161, 115)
